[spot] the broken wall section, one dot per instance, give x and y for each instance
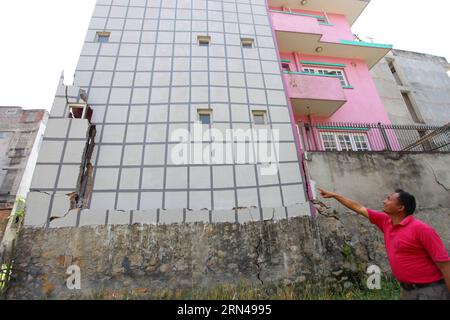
(63, 174)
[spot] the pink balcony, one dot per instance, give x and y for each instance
(314, 95)
(292, 22)
(351, 9)
(308, 34)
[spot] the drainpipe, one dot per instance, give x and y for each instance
(297, 61)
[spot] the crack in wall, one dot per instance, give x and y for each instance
(79, 198)
(258, 266)
(323, 209)
(85, 180)
(65, 214)
(436, 178)
(208, 268)
(262, 248)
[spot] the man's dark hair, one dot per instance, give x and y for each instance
(407, 200)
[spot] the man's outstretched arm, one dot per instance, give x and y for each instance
(352, 205)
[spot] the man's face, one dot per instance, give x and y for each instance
(392, 205)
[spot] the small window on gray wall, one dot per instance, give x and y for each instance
(205, 116)
(103, 36)
(247, 42)
(203, 40)
(259, 116)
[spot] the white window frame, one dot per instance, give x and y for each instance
(339, 73)
(345, 141)
(330, 139)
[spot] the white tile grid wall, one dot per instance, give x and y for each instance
(151, 76)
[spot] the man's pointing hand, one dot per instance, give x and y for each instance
(326, 194)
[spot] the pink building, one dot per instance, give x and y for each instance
(326, 69)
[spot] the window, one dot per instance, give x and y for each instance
(76, 111)
(394, 73)
(204, 40)
(259, 117)
(8, 181)
(103, 36)
(361, 142)
(80, 111)
(344, 141)
(410, 107)
(15, 161)
(335, 72)
(286, 67)
(329, 142)
(247, 43)
(204, 116)
(17, 153)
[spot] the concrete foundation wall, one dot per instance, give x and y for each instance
(369, 178)
(143, 257)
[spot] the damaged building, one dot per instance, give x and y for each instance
(147, 70)
(20, 135)
(118, 190)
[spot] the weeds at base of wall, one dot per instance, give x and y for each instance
(390, 290)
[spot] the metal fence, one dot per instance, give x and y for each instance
(373, 137)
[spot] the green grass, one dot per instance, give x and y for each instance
(390, 290)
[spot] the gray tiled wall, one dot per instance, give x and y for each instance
(149, 80)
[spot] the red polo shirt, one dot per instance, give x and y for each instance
(413, 248)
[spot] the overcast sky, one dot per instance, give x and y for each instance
(40, 38)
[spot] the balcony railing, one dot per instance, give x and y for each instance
(373, 137)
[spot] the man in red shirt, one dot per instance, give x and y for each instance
(416, 253)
